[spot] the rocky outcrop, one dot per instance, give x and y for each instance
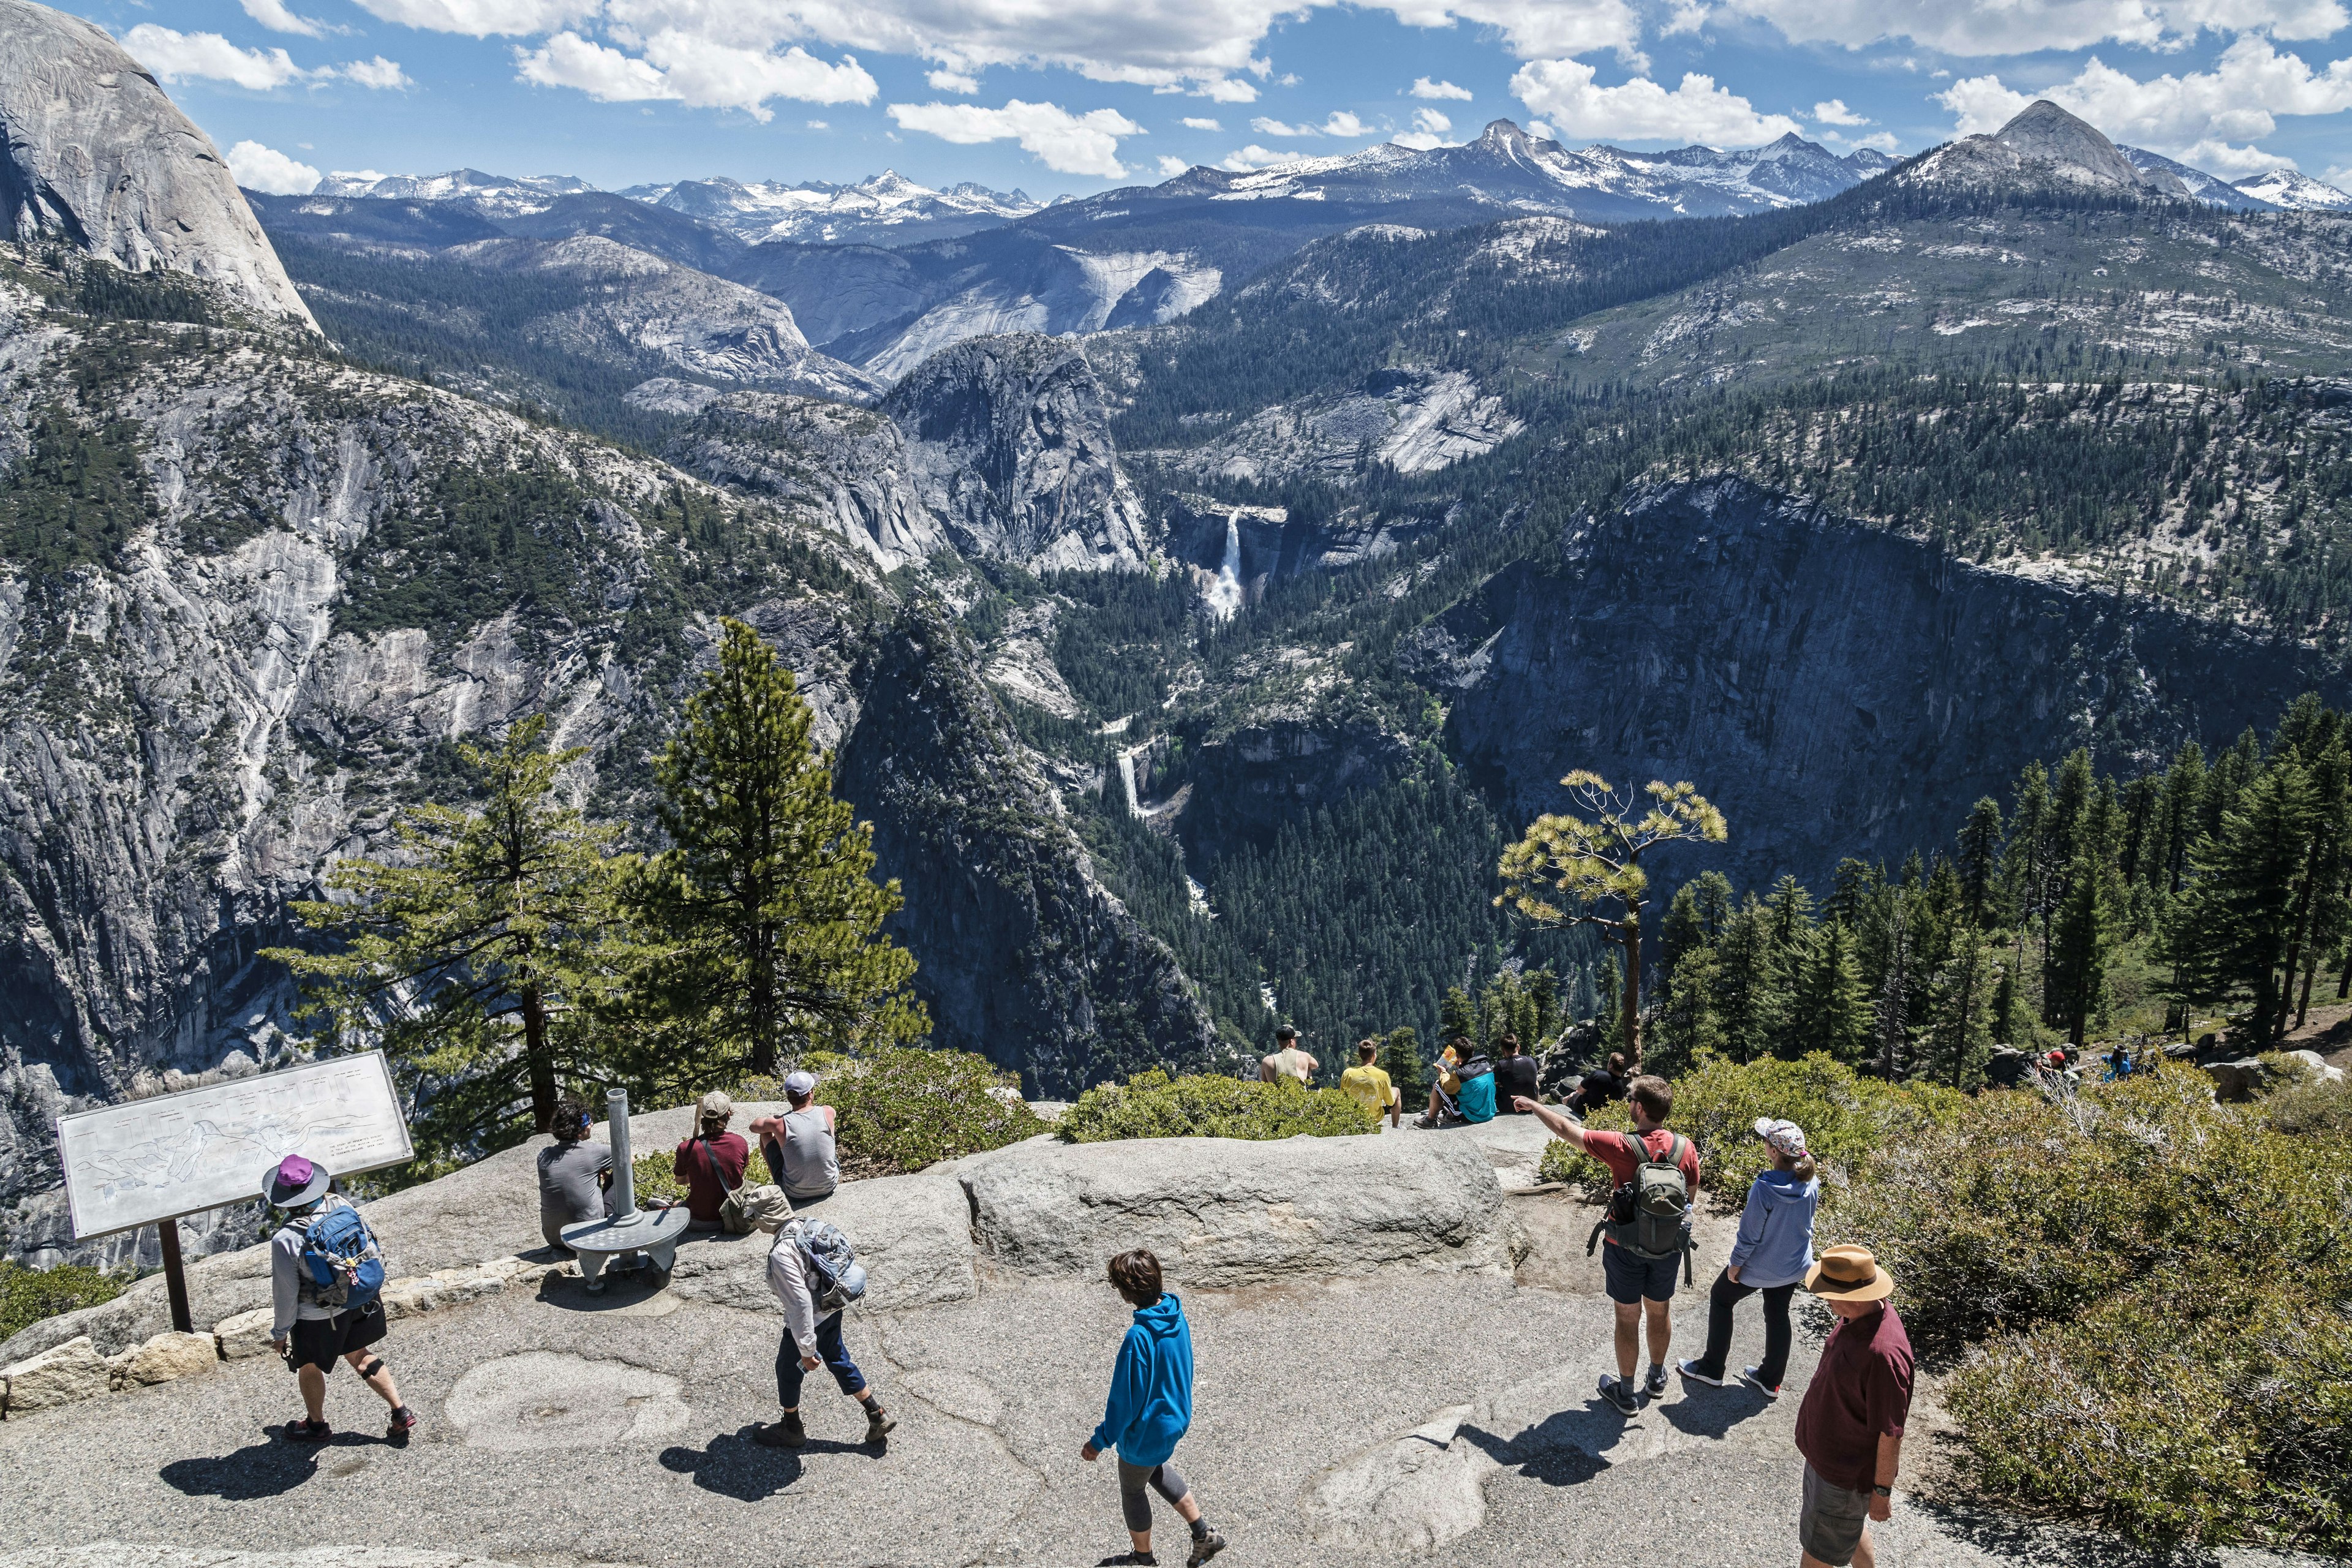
(1009, 441)
(2042, 147)
(848, 465)
(1027, 957)
(633, 306)
(1222, 1212)
(1410, 420)
(1837, 690)
(98, 156)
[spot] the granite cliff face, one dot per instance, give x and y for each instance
(1837, 690)
(315, 579)
(97, 156)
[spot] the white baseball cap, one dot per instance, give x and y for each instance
(800, 1081)
(1786, 1137)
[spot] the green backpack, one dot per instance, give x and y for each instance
(1650, 1216)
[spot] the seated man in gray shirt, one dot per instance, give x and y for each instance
(798, 1146)
(575, 1176)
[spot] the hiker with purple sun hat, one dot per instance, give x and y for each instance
(326, 1281)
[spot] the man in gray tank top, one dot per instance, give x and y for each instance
(798, 1146)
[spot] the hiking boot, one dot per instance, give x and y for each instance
(1689, 1369)
(1142, 1559)
(403, 1422)
(878, 1424)
(1768, 1390)
(1207, 1544)
(308, 1431)
(784, 1432)
(1618, 1392)
(1654, 1385)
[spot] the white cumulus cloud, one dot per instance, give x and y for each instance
(1424, 88)
(953, 81)
(2204, 118)
(274, 15)
(1564, 93)
(1171, 167)
(1340, 122)
(1196, 123)
(185, 56)
(1833, 111)
(1265, 127)
(1206, 47)
(378, 73)
(685, 68)
(2021, 27)
(483, 18)
(260, 168)
(1067, 144)
(1254, 157)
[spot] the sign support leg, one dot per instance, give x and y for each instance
(175, 1278)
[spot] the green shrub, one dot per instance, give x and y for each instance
(1152, 1105)
(906, 1107)
(2023, 1210)
(28, 1295)
(2163, 1284)
(2310, 1105)
(1845, 1116)
(2190, 1409)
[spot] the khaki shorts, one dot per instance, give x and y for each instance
(1830, 1525)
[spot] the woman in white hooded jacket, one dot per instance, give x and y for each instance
(1769, 1257)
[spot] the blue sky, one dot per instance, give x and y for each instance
(1057, 96)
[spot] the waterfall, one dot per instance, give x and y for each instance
(1224, 596)
(1126, 776)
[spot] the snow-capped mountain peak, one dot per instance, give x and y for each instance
(495, 196)
(887, 208)
(2296, 191)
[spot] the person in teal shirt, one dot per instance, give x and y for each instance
(1150, 1409)
(1476, 1098)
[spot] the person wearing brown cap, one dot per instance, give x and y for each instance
(711, 1162)
(1850, 1427)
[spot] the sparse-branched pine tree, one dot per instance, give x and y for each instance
(471, 959)
(1749, 1000)
(2081, 940)
(1568, 871)
(1789, 942)
(766, 898)
(1979, 865)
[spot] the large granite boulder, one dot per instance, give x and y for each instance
(1222, 1212)
(93, 152)
(912, 1233)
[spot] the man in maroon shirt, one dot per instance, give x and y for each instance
(1850, 1427)
(711, 1162)
(1638, 1286)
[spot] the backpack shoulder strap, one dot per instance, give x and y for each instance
(711, 1158)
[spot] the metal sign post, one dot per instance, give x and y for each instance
(149, 1161)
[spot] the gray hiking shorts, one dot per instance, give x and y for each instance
(1830, 1525)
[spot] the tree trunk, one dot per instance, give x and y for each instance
(2303, 1004)
(540, 1058)
(1632, 930)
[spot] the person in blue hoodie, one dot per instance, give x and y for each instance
(1149, 1410)
(1769, 1257)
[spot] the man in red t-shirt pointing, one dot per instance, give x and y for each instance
(1639, 1287)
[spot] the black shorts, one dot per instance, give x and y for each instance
(322, 1341)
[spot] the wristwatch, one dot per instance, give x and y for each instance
(1884, 1491)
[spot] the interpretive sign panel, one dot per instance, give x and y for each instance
(150, 1160)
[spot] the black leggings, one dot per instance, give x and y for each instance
(1165, 1479)
(1728, 1293)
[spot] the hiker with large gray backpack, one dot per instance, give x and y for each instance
(815, 1272)
(1647, 1232)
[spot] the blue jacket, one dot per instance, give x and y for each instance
(1150, 1403)
(1775, 1244)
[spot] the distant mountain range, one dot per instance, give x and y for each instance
(887, 209)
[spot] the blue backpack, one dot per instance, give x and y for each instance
(343, 1264)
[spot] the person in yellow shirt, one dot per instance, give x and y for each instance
(1368, 1086)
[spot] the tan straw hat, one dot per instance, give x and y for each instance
(1849, 1274)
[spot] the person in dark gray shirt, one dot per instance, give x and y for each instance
(575, 1176)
